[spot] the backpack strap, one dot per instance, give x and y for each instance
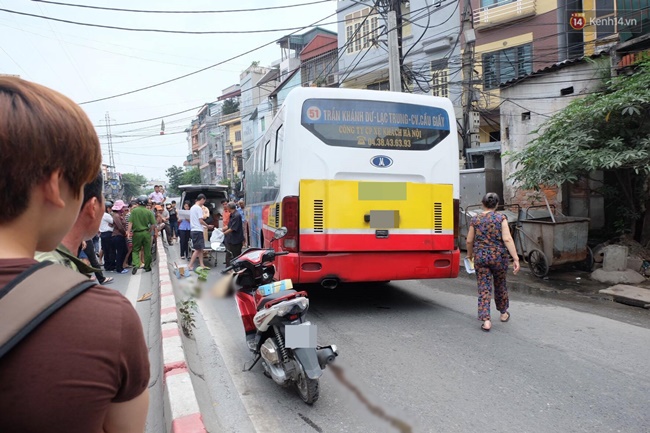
(33, 296)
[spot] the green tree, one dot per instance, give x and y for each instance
(192, 176)
(608, 130)
(133, 184)
(175, 175)
(230, 106)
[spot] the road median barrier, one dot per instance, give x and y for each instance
(181, 408)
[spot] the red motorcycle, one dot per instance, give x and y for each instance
(273, 315)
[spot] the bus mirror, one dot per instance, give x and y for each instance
(280, 233)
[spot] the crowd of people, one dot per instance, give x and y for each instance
(196, 228)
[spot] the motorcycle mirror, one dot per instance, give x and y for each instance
(280, 233)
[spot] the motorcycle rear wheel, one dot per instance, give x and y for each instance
(307, 388)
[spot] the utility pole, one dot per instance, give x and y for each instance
(394, 49)
(109, 140)
(111, 172)
(468, 76)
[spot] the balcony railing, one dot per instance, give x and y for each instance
(503, 12)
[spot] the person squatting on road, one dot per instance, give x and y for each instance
(488, 243)
(140, 223)
(86, 367)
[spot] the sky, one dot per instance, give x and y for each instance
(88, 63)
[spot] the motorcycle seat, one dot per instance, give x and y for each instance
(272, 297)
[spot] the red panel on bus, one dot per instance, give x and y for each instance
(370, 242)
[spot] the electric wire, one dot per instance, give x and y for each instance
(180, 12)
(205, 68)
(133, 29)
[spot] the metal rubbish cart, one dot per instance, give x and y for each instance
(544, 237)
(511, 212)
(547, 238)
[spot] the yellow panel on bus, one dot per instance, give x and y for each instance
(410, 213)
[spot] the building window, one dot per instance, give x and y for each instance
(505, 65)
(237, 135)
(380, 85)
(605, 18)
(440, 78)
(493, 3)
(360, 30)
(263, 123)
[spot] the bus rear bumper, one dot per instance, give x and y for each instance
(368, 266)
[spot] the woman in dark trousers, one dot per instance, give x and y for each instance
(184, 233)
(488, 243)
(119, 236)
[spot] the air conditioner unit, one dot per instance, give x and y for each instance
(332, 79)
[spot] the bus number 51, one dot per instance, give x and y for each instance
(313, 113)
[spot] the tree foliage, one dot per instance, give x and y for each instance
(181, 176)
(175, 175)
(133, 184)
(608, 130)
(230, 106)
(191, 176)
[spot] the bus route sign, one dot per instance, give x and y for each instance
(375, 124)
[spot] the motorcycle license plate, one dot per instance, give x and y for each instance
(301, 336)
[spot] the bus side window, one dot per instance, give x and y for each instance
(259, 159)
(279, 138)
(267, 155)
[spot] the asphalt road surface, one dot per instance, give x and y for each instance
(414, 351)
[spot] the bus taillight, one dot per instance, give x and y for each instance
(290, 220)
(456, 223)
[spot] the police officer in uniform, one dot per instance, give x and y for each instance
(140, 223)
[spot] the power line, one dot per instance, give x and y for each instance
(131, 29)
(180, 12)
(207, 67)
(15, 63)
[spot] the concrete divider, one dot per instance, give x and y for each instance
(181, 409)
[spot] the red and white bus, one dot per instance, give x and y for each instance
(366, 182)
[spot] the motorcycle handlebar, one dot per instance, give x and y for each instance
(275, 254)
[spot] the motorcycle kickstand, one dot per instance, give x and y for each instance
(257, 358)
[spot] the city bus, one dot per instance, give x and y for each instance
(366, 183)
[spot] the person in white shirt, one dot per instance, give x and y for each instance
(157, 196)
(196, 230)
(105, 235)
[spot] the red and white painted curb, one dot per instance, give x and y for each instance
(185, 413)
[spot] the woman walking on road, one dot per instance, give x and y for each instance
(488, 243)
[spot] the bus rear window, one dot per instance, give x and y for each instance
(375, 124)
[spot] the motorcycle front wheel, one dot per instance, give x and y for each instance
(307, 388)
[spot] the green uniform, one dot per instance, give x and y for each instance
(141, 220)
(64, 256)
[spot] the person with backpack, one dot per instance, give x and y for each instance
(73, 357)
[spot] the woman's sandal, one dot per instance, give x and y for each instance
(483, 328)
(507, 318)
